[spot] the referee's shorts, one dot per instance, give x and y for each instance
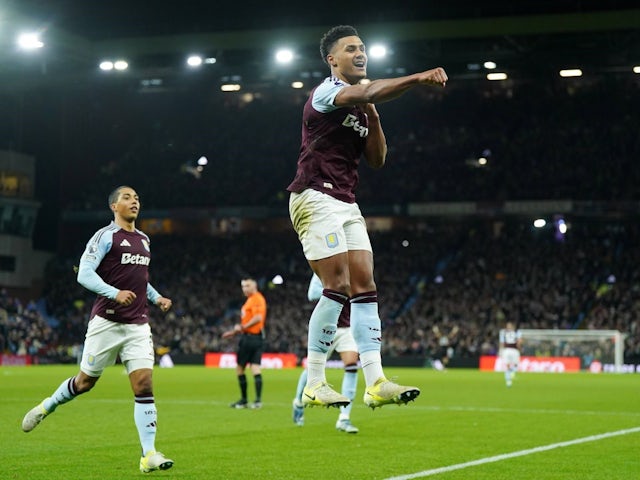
(250, 349)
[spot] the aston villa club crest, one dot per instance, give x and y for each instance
(145, 244)
(332, 240)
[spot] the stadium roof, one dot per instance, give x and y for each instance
(524, 37)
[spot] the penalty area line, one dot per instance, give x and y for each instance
(521, 453)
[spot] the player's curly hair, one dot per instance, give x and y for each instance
(329, 39)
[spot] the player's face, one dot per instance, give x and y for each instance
(249, 287)
(128, 205)
(348, 59)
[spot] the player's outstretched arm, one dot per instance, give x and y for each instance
(385, 89)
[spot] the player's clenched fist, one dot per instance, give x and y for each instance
(164, 303)
(125, 297)
(435, 76)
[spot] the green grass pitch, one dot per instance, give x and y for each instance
(465, 425)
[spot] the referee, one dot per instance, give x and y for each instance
(251, 344)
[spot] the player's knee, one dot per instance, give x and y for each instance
(340, 285)
(143, 386)
(143, 391)
(359, 285)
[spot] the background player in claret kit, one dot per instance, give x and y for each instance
(115, 266)
(510, 346)
(345, 345)
(444, 349)
(251, 344)
(340, 124)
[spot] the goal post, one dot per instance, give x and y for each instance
(595, 348)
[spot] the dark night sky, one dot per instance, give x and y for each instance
(139, 18)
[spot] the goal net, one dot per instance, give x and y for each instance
(597, 350)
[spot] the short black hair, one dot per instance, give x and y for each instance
(330, 38)
(113, 196)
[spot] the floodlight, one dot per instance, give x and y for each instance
(562, 227)
(284, 55)
(106, 65)
(194, 61)
(497, 76)
(571, 72)
(29, 41)
(120, 65)
(378, 51)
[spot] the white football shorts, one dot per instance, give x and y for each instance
(327, 226)
(343, 342)
(106, 340)
(510, 356)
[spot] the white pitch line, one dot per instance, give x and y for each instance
(545, 411)
(521, 453)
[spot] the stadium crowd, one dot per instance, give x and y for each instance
(463, 276)
(540, 141)
(467, 277)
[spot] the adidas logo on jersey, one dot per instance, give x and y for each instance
(125, 243)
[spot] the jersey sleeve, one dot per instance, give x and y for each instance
(325, 94)
(96, 249)
(152, 294)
